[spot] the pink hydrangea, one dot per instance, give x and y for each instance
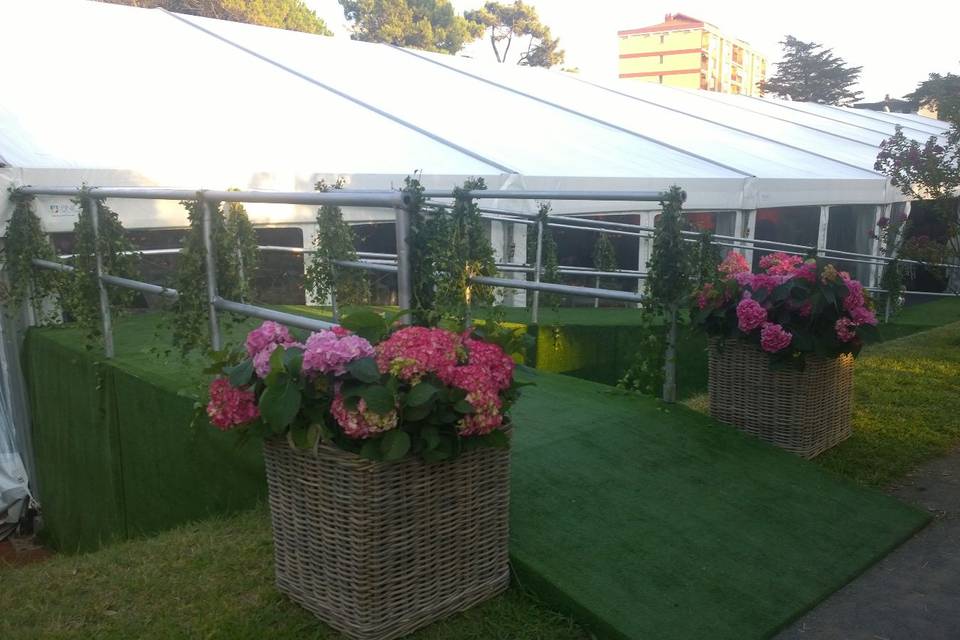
(733, 264)
(780, 264)
(757, 281)
(805, 309)
(862, 315)
(360, 423)
(844, 327)
(230, 406)
(492, 359)
(261, 360)
(773, 337)
(750, 315)
(807, 271)
(855, 297)
(412, 352)
(266, 334)
(328, 352)
(482, 394)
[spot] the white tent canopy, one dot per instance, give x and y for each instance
(114, 95)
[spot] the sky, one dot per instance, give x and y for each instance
(897, 43)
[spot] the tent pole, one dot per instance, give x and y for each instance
(404, 295)
(535, 307)
(105, 318)
(211, 273)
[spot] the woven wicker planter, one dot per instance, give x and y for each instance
(377, 550)
(805, 412)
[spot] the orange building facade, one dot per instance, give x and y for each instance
(685, 52)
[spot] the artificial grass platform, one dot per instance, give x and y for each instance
(652, 522)
(639, 520)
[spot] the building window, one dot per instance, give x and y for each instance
(661, 59)
(661, 79)
(661, 39)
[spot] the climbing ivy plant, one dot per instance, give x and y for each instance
(23, 242)
(334, 240)
(448, 246)
(670, 273)
(81, 296)
(549, 262)
(189, 320)
(244, 259)
(604, 258)
(706, 258)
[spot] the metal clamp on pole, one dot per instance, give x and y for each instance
(211, 272)
(105, 318)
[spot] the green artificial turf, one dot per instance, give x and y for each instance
(653, 522)
(930, 314)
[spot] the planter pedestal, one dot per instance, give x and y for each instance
(805, 412)
(379, 549)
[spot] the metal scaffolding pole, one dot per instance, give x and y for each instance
(211, 273)
(105, 318)
(404, 292)
(537, 268)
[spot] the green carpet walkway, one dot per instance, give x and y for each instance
(641, 522)
(646, 522)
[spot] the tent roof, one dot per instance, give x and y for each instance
(161, 95)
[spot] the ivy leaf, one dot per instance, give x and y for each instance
(378, 399)
(395, 444)
(421, 394)
(241, 374)
(364, 370)
(279, 405)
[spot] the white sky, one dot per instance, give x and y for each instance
(897, 43)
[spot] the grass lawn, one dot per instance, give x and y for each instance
(906, 402)
(210, 580)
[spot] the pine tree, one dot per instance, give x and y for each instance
(810, 73)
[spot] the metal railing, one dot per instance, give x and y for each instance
(379, 262)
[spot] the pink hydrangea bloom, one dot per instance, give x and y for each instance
(773, 337)
(780, 264)
(855, 297)
(266, 334)
(360, 423)
(805, 309)
(733, 264)
(862, 315)
(807, 271)
(230, 406)
(261, 361)
(482, 394)
(328, 352)
(750, 315)
(493, 360)
(845, 329)
(412, 352)
(757, 281)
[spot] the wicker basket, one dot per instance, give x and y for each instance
(805, 412)
(377, 550)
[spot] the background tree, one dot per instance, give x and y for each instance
(504, 22)
(282, 14)
(430, 25)
(810, 73)
(941, 93)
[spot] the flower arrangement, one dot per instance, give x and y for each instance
(792, 308)
(427, 392)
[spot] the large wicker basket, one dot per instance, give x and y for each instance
(805, 412)
(377, 550)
